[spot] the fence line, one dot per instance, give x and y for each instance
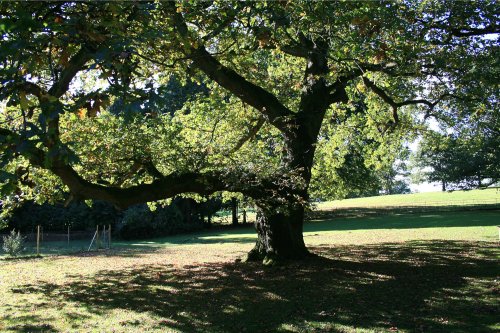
(40, 241)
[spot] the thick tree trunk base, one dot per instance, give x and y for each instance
(279, 237)
(273, 259)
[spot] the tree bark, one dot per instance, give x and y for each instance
(279, 236)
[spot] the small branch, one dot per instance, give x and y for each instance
(395, 105)
(219, 29)
(251, 133)
(295, 50)
(468, 32)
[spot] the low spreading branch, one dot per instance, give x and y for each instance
(164, 186)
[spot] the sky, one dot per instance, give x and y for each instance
(425, 187)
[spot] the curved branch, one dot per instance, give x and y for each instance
(165, 186)
(259, 98)
(162, 188)
(395, 105)
(75, 64)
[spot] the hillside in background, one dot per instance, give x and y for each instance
(431, 199)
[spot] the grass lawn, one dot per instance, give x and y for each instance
(472, 197)
(434, 272)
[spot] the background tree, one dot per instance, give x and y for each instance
(467, 157)
(79, 79)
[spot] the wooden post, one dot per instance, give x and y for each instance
(38, 240)
(97, 237)
(68, 235)
(109, 236)
(234, 211)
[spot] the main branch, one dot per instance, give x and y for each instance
(266, 103)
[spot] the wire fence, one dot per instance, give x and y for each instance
(39, 241)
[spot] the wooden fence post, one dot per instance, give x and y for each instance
(104, 236)
(38, 240)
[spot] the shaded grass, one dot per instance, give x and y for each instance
(407, 273)
(439, 286)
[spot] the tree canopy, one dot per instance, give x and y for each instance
(134, 102)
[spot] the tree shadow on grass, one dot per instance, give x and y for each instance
(416, 286)
(28, 324)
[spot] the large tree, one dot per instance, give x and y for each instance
(75, 76)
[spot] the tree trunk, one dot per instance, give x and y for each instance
(443, 186)
(279, 236)
(279, 226)
(234, 210)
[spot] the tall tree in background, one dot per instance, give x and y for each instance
(467, 157)
(80, 79)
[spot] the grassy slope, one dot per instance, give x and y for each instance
(409, 273)
(431, 198)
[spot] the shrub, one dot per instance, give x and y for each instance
(13, 243)
(169, 220)
(137, 223)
